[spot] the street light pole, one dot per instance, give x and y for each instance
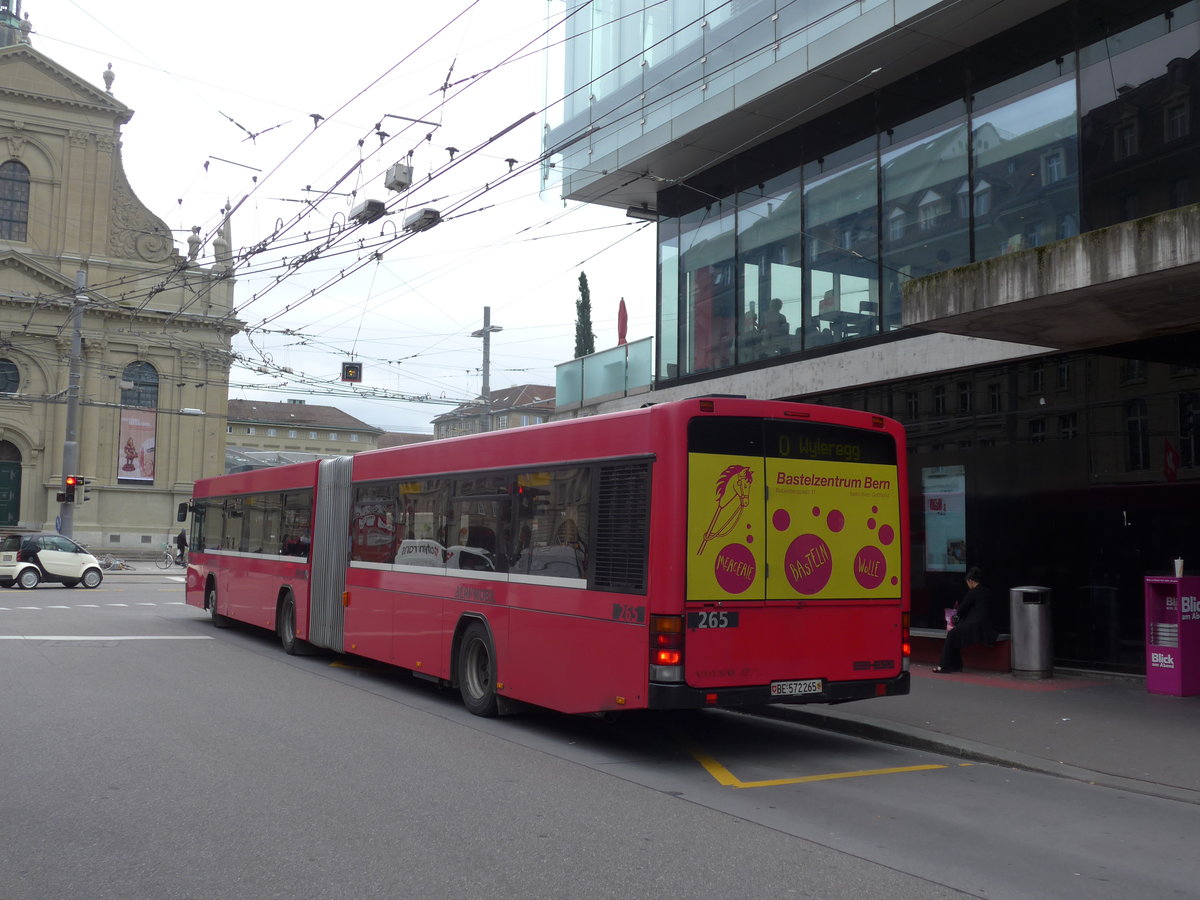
(486, 333)
(70, 457)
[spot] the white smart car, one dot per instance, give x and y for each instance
(26, 560)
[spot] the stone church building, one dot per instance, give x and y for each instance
(108, 334)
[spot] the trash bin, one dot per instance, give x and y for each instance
(1032, 648)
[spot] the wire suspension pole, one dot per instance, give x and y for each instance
(486, 333)
(70, 457)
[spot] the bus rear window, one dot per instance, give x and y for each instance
(786, 439)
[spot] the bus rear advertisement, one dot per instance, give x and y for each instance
(717, 552)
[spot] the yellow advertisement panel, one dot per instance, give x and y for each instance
(726, 543)
(784, 529)
(834, 529)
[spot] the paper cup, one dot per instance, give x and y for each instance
(1178, 568)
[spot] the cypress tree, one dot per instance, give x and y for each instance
(585, 341)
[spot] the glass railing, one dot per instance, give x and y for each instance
(618, 372)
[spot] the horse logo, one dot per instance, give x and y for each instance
(732, 498)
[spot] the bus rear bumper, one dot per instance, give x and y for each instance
(682, 696)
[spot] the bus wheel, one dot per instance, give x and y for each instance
(210, 603)
(285, 625)
(477, 671)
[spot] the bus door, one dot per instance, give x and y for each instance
(794, 553)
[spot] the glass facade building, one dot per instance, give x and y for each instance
(792, 242)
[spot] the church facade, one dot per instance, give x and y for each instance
(115, 348)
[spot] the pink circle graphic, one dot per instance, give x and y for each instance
(871, 524)
(870, 567)
(808, 564)
(886, 535)
(781, 520)
(836, 520)
(816, 511)
(734, 568)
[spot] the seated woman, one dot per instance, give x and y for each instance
(972, 623)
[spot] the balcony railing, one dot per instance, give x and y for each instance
(623, 370)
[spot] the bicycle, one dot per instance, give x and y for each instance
(111, 562)
(168, 559)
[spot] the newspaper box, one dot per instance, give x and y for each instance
(1173, 636)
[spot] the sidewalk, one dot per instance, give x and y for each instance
(1100, 729)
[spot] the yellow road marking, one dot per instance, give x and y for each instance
(727, 779)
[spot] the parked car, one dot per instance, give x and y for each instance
(26, 560)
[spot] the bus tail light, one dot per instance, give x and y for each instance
(905, 640)
(666, 648)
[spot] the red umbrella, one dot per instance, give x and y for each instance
(622, 323)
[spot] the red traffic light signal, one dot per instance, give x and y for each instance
(71, 481)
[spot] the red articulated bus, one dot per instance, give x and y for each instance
(716, 552)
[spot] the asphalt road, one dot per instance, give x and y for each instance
(150, 755)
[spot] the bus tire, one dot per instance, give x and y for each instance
(285, 626)
(477, 670)
(210, 603)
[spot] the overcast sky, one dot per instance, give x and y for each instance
(202, 78)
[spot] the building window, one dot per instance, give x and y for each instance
(139, 386)
(271, 432)
(10, 377)
(930, 210)
(229, 429)
(1054, 167)
(501, 421)
(983, 199)
(1064, 372)
(333, 435)
(1126, 141)
(250, 429)
(14, 201)
(1037, 430)
(995, 398)
(1036, 381)
(896, 224)
(1068, 427)
(354, 438)
(966, 396)
(312, 435)
(1133, 371)
(1137, 434)
(939, 400)
(1178, 125)
(912, 404)
(1181, 191)
(291, 432)
(1189, 423)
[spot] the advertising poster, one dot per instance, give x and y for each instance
(135, 449)
(782, 529)
(943, 490)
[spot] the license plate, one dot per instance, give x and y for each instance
(793, 688)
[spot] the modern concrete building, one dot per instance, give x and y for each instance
(114, 347)
(976, 217)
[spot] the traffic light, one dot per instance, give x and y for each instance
(351, 371)
(70, 482)
(86, 484)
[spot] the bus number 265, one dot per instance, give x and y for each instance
(624, 612)
(715, 618)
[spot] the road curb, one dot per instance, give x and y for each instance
(922, 739)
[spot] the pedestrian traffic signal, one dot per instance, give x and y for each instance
(351, 371)
(70, 482)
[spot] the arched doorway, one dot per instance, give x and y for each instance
(10, 485)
